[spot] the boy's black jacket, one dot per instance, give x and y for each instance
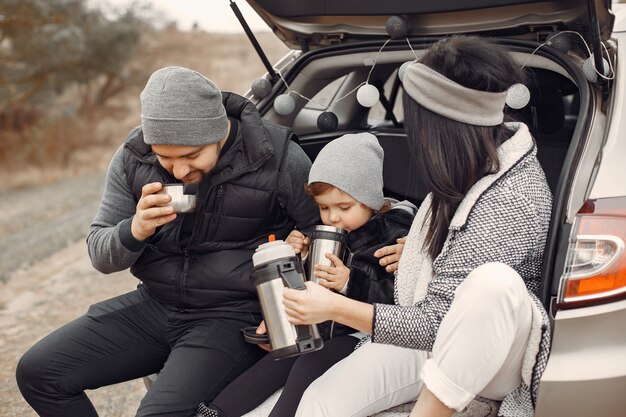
(369, 282)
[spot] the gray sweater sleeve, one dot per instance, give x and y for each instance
(294, 175)
(110, 242)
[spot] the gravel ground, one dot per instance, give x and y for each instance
(38, 221)
(46, 280)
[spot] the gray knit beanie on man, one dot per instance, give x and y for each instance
(182, 107)
(354, 164)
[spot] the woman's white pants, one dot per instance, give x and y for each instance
(479, 350)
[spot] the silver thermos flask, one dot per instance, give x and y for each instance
(322, 240)
(276, 266)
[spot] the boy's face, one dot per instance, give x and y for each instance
(339, 209)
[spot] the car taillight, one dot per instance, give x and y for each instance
(595, 265)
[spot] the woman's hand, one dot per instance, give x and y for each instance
(311, 306)
(317, 304)
(390, 255)
(263, 330)
(333, 277)
(298, 242)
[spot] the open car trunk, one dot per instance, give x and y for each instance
(557, 114)
(341, 41)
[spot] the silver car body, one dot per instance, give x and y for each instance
(586, 373)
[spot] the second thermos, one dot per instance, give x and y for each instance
(322, 240)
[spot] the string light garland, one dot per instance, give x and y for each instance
(367, 95)
(588, 67)
(590, 71)
(407, 63)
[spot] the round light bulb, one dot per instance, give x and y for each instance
(589, 69)
(261, 87)
(517, 96)
(397, 27)
(327, 121)
(367, 95)
(284, 104)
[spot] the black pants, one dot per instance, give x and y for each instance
(256, 384)
(127, 337)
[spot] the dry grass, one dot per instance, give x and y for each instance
(70, 146)
(229, 60)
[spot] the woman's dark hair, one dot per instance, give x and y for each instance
(452, 156)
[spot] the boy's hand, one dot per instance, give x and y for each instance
(151, 211)
(390, 255)
(298, 242)
(333, 277)
(263, 330)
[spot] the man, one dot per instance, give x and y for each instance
(195, 293)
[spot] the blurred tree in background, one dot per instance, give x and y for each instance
(61, 62)
(47, 46)
(71, 72)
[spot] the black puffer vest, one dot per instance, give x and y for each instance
(237, 209)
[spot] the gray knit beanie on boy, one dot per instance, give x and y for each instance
(182, 107)
(354, 164)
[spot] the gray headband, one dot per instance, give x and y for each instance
(449, 99)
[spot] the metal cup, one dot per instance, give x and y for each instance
(183, 199)
(323, 240)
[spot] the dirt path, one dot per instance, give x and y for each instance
(38, 221)
(46, 280)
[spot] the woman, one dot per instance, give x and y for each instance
(466, 323)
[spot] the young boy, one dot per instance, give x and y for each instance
(346, 182)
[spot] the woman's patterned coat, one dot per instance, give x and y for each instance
(503, 218)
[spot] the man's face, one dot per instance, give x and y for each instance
(189, 164)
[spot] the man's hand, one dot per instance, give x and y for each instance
(151, 211)
(334, 277)
(390, 255)
(298, 242)
(311, 306)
